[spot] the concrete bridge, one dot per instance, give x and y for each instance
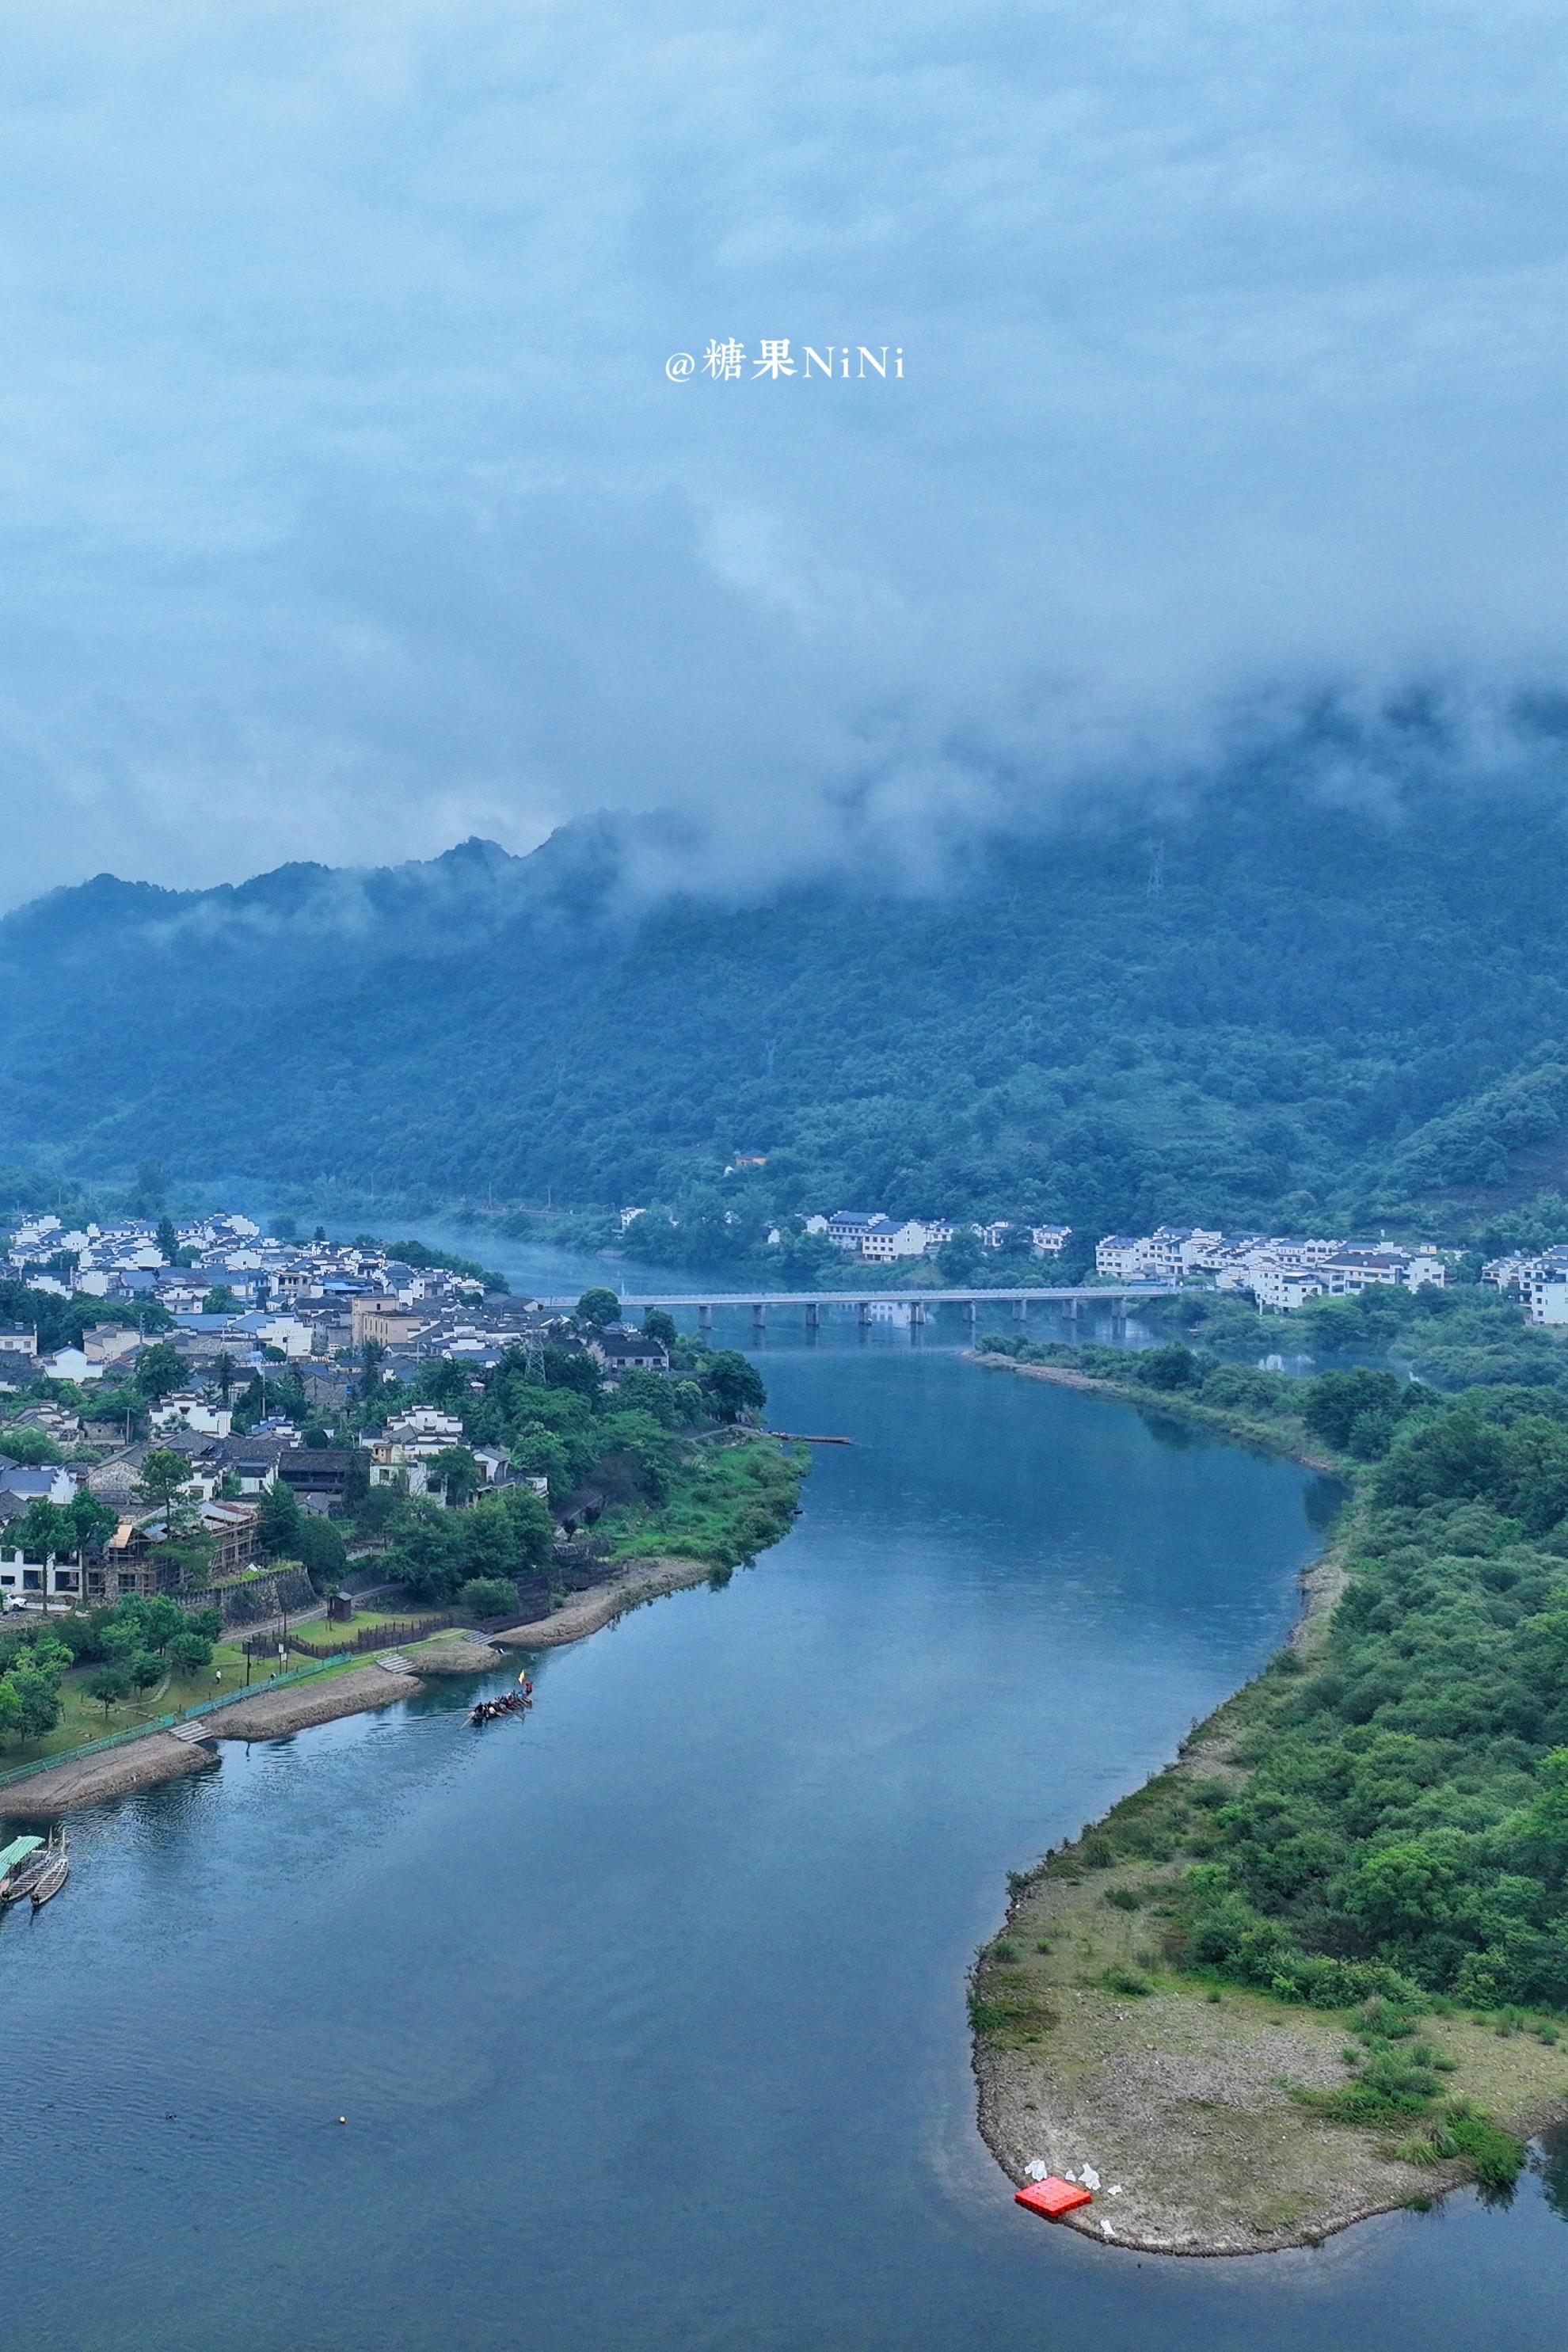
(1069, 1299)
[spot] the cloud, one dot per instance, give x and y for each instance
(351, 510)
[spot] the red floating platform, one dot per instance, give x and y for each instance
(1051, 2197)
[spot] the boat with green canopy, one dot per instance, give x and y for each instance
(21, 1863)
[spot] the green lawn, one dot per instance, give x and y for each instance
(83, 1719)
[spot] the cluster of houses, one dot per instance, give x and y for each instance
(878, 1240)
(230, 1290)
(1279, 1272)
(239, 1300)
(237, 1294)
(1540, 1280)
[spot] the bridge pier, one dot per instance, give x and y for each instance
(863, 1315)
(917, 1314)
(971, 1314)
(1020, 1310)
(705, 1319)
(813, 1315)
(758, 1319)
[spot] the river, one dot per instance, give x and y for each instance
(647, 2015)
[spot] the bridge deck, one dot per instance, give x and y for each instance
(1106, 1292)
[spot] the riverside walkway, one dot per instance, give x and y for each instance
(1069, 1299)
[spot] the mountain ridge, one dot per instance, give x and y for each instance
(1290, 1012)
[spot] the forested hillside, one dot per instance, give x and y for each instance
(1270, 1010)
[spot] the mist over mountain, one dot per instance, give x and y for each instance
(1277, 1000)
(350, 510)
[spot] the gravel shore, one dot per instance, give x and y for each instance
(88, 1780)
(269, 1715)
(646, 1580)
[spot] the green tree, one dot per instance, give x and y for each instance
(509, 1533)
(958, 1259)
(649, 1392)
(220, 1300)
(46, 1529)
(538, 1453)
(573, 1368)
(166, 1478)
(94, 1519)
(1331, 1404)
(320, 1546)
(657, 1324)
(453, 1472)
(110, 1685)
(278, 1521)
(597, 1308)
(159, 1369)
(487, 1596)
(37, 1690)
(31, 1447)
(191, 1652)
(372, 1377)
(224, 1371)
(426, 1549)
(735, 1385)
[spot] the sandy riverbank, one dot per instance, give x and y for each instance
(1092, 2049)
(585, 1612)
(272, 1715)
(85, 1780)
(77, 1782)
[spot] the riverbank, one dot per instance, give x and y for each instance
(1199, 2100)
(601, 1605)
(1291, 1441)
(78, 1782)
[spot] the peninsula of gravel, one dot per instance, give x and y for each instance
(1317, 1968)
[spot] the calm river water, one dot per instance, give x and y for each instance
(646, 2016)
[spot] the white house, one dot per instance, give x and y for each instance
(1049, 1241)
(884, 1239)
(185, 1408)
(1119, 1256)
(848, 1228)
(410, 1443)
(1544, 1292)
(1285, 1287)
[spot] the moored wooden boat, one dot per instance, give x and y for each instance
(53, 1878)
(22, 1863)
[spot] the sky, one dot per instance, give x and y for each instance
(349, 506)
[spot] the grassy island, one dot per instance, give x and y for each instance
(1319, 1967)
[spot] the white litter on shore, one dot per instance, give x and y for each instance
(1037, 2171)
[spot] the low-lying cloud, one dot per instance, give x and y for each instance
(352, 510)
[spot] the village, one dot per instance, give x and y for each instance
(213, 1337)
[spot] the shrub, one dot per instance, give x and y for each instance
(487, 1596)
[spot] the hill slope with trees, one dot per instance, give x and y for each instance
(1265, 1008)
